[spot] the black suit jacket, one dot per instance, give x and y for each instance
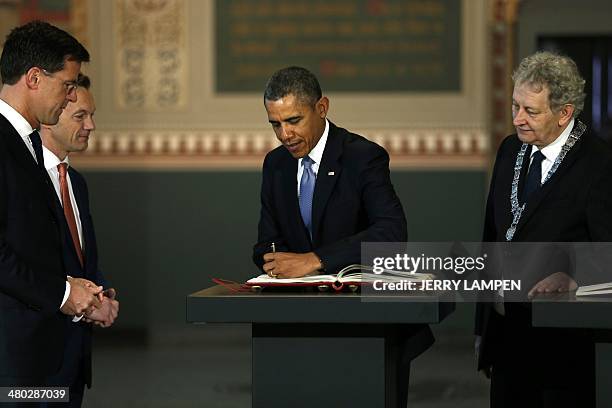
(77, 355)
(32, 277)
(354, 202)
(574, 205)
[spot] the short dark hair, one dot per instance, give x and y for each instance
(83, 81)
(38, 44)
(296, 81)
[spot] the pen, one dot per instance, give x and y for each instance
(273, 251)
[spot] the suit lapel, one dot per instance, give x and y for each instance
(26, 161)
(22, 155)
(288, 180)
(538, 196)
(329, 171)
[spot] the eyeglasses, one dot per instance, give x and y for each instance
(69, 86)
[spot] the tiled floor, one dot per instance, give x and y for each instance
(210, 366)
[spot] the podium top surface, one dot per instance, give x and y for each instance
(219, 304)
(567, 310)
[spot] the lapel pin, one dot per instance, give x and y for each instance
(331, 173)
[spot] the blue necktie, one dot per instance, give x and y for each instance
(307, 184)
(534, 177)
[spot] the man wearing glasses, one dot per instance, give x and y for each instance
(39, 67)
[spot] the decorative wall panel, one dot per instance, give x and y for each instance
(151, 56)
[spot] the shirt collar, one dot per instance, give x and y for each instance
(552, 150)
(21, 125)
(316, 154)
(51, 160)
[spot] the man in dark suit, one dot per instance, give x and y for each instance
(562, 175)
(71, 134)
(39, 67)
(343, 176)
(324, 192)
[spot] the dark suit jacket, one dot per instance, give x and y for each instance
(32, 277)
(77, 355)
(356, 204)
(575, 205)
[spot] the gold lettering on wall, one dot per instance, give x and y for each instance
(371, 46)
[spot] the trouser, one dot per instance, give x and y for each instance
(541, 367)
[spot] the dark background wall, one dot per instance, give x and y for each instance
(554, 17)
(163, 235)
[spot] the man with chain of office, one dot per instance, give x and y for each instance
(552, 183)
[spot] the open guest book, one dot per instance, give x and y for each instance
(592, 290)
(352, 277)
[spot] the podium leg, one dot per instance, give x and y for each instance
(319, 365)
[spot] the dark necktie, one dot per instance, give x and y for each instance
(307, 184)
(534, 177)
(68, 211)
(37, 144)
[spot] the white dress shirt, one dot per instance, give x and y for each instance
(21, 125)
(51, 163)
(316, 154)
(23, 128)
(552, 150)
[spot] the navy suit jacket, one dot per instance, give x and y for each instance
(32, 276)
(575, 205)
(354, 202)
(77, 355)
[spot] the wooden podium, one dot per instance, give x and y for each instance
(323, 349)
(565, 310)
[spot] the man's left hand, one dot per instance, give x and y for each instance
(105, 316)
(291, 265)
(557, 282)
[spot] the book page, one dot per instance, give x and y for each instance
(265, 279)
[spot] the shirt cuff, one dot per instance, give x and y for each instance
(66, 294)
(75, 319)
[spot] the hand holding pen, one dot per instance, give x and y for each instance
(288, 265)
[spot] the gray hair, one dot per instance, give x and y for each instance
(556, 72)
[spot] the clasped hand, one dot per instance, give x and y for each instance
(84, 296)
(290, 264)
(105, 315)
(87, 298)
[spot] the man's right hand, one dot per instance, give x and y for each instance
(84, 296)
